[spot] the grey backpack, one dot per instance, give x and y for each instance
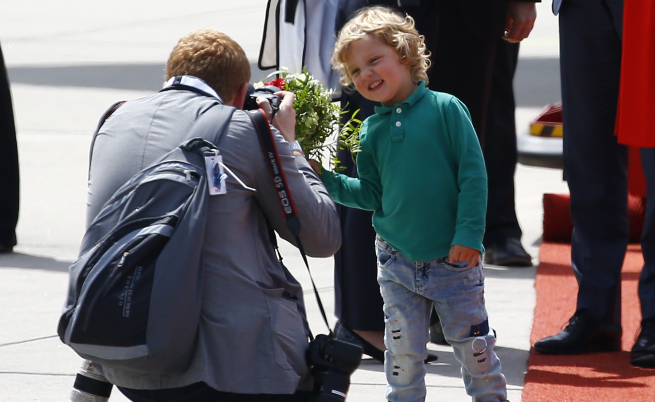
(135, 292)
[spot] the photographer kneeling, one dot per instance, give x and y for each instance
(253, 334)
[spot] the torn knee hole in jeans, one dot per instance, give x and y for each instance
(479, 344)
(479, 347)
(397, 370)
(394, 330)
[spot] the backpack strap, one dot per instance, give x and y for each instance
(212, 123)
(202, 125)
(183, 82)
(289, 212)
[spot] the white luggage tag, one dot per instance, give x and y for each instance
(215, 175)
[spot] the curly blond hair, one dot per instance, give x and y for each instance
(395, 29)
(213, 57)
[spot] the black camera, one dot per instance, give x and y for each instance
(267, 92)
(332, 362)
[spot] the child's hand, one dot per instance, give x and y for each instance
(461, 253)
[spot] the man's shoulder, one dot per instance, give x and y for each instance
(241, 125)
(171, 102)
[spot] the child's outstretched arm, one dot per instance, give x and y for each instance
(352, 192)
(364, 192)
(462, 253)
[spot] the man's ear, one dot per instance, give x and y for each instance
(239, 97)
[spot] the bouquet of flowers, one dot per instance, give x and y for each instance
(317, 118)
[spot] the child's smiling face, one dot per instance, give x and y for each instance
(378, 72)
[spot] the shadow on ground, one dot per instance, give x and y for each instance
(138, 77)
(18, 260)
(448, 366)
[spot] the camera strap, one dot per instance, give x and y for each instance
(286, 200)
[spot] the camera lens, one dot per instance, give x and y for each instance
(90, 385)
(333, 386)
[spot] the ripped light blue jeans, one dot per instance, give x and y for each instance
(409, 290)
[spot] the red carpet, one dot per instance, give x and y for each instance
(592, 377)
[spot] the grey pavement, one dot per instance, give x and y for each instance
(69, 60)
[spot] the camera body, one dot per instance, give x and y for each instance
(267, 92)
(332, 363)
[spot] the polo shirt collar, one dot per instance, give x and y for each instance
(193, 82)
(413, 98)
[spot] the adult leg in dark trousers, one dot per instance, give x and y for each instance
(9, 179)
(502, 238)
(358, 303)
(478, 68)
(643, 351)
(595, 167)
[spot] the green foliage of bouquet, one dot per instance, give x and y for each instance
(317, 117)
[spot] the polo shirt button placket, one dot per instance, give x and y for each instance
(398, 130)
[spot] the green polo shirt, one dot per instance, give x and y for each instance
(422, 172)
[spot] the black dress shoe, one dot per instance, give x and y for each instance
(583, 334)
(645, 344)
(647, 361)
(5, 249)
(344, 334)
(508, 254)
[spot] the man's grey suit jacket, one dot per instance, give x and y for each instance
(253, 331)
